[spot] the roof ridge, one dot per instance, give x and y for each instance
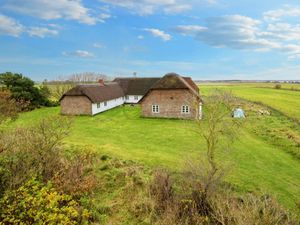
(187, 84)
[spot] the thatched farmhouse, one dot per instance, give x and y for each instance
(172, 96)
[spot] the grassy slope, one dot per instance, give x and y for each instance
(257, 164)
(285, 101)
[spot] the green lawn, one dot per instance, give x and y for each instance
(256, 163)
(285, 101)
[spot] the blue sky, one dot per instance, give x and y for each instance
(204, 39)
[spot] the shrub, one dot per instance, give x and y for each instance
(34, 203)
(277, 86)
(9, 108)
(39, 151)
(248, 209)
(76, 175)
(161, 190)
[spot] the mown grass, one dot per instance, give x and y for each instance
(256, 164)
(285, 101)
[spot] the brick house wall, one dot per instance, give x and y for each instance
(170, 104)
(76, 105)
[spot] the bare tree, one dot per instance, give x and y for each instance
(218, 130)
(87, 77)
(59, 89)
(62, 84)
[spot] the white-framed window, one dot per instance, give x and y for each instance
(155, 108)
(185, 109)
(127, 97)
(136, 97)
(98, 105)
(105, 103)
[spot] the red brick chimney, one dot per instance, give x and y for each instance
(101, 82)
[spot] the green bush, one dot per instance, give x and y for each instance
(277, 86)
(34, 203)
(23, 89)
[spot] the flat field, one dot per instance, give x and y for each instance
(285, 100)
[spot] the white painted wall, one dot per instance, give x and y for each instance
(200, 111)
(114, 103)
(110, 104)
(131, 99)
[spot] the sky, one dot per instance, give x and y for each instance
(204, 39)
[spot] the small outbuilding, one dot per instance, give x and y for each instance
(238, 113)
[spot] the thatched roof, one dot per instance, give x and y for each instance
(136, 86)
(191, 83)
(97, 93)
(175, 81)
(132, 86)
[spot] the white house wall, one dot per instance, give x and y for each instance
(131, 99)
(110, 104)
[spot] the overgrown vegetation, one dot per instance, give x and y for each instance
(39, 180)
(9, 108)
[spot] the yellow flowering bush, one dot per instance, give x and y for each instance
(35, 203)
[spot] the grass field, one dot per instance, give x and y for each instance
(283, 100)
(256, 163)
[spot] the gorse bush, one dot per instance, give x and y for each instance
(35, 203)
(38, 151)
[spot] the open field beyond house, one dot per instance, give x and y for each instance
(285, 100)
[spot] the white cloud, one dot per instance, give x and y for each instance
(234, 31)
(278, 14)
(98, 45)
(140, 37)
(41, 32)
(189, 29)
(174, 9)
(103, 17)
(241, 32)
(148, 7)
(282, 31)
(159, 33)
(48, 10)
(79, 53)
(9, 26)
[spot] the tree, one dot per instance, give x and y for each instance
(218, 130)
(23, 89)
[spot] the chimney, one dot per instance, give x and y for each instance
(101, 82)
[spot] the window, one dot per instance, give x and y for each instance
(127, 97)
(98, 105)
(105, 103)
(185, 109)
(155, 108)
(136, 97)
